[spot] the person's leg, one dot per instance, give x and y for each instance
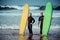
(30, 28)
(40, 30)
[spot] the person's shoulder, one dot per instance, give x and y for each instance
(32, 17)
(39, 16)
(43, 16)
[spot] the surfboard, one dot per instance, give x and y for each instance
(24, 19)
(22, 37)
(47, 18)
(45, 38)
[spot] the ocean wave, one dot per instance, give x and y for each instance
(5, 14)
(10, 14)
(4, 26)
(21, 8)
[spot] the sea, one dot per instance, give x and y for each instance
(10, 24)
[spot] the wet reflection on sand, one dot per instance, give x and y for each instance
(31, 37)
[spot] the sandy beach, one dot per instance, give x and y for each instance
(13, 34)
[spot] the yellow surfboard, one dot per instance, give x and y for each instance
(21, 37)
(24, 19)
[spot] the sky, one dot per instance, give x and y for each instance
(30, 2)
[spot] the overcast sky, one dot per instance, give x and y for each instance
(30, 2)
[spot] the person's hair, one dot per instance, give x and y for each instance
(41, 12)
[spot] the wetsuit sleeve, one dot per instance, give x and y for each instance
(33, 20)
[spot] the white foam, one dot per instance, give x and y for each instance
(10, 14)
(4, 26)
(33, 13)
(54, 15)
(21, 8)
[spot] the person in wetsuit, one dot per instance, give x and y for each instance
(31, 20)
(40, 22)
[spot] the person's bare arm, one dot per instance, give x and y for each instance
(39, 22)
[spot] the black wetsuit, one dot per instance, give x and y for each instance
(41, 19)
(30, 20)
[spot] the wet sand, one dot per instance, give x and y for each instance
(13, 35)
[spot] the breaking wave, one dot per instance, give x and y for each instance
(5, 26)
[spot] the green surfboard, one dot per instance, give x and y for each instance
(45, 38)
(47, 18)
